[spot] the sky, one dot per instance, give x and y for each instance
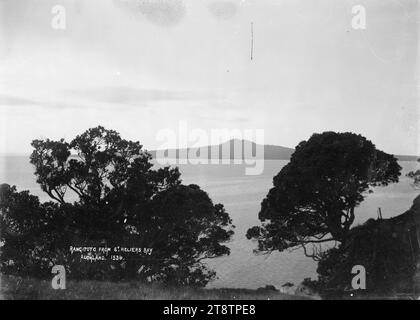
(142, 66)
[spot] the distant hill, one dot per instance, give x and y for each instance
(226, 150)
(407, 158)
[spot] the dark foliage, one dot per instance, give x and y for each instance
(387, 256)
(106, 193)
(315, 194)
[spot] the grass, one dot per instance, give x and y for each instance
(18, 288)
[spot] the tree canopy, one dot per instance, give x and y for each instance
(105, 191)
(314, 196)
(99, 167)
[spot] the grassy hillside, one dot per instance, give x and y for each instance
(29, 288)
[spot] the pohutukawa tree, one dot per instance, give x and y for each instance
(314, 196)
(99, 167)
(106, 192)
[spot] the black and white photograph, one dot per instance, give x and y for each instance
(227, 151)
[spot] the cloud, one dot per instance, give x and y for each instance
(136, 96)
(6, 100)
(40, 102)
(160, 12)
(101, 97)
(223, 10)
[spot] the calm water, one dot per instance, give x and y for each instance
(242, 196)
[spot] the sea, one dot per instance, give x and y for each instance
(241, 195)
